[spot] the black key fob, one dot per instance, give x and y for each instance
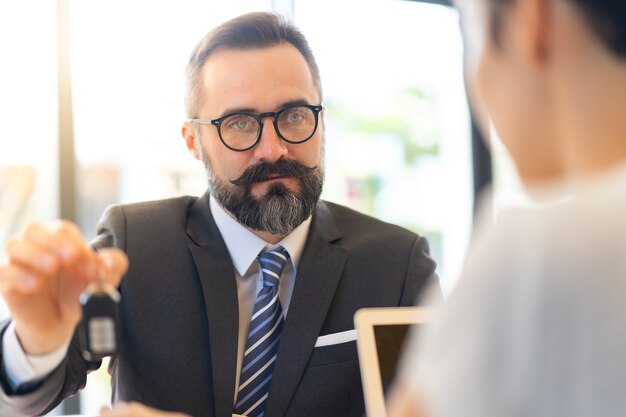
(101, 333)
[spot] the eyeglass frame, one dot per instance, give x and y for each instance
(316, 109)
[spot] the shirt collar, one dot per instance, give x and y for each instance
(244, 246)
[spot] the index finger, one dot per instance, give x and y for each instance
(60, 237)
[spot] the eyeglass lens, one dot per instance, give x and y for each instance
(295, 124)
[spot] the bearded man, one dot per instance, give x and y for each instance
(240, 301)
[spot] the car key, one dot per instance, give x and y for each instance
(101, 333)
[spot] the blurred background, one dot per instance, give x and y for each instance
(91, 105)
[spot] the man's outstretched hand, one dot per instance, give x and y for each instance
(45, 271)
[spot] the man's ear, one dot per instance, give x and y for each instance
(189, 134)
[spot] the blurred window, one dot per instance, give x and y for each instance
(28, 116)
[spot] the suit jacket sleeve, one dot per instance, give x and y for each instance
(39, 397)
(420, 274)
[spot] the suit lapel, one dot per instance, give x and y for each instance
(216, 273)
(318, 274)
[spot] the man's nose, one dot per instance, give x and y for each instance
(270, 147)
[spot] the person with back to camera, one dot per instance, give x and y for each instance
(237, 302)
(536, 324)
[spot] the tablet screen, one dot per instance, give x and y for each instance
(389, 342)
(381, 334)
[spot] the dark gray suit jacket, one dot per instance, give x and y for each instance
(180, 310)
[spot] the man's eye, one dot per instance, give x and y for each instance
(294, 117)
(238, 124)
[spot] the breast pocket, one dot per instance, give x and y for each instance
(331, 384)
(341, 352)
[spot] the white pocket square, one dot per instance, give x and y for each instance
(336, 338)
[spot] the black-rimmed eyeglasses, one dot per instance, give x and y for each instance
(242, 131)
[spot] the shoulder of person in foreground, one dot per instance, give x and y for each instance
(534, 325)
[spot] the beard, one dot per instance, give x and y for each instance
(280, 210)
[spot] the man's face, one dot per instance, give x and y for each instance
(274, 186)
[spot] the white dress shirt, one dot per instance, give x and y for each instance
(244, 247)
(536, 325)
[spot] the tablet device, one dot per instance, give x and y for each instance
(381, 333)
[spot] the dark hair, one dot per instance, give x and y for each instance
(606, 18)
(249, 31)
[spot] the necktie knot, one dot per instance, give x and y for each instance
(272, 265)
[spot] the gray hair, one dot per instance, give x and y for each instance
(248, 31)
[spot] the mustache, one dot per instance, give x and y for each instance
(264, 170)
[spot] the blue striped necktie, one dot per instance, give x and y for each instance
(266, 324)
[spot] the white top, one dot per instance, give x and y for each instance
(537, 323)
(243, 246)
